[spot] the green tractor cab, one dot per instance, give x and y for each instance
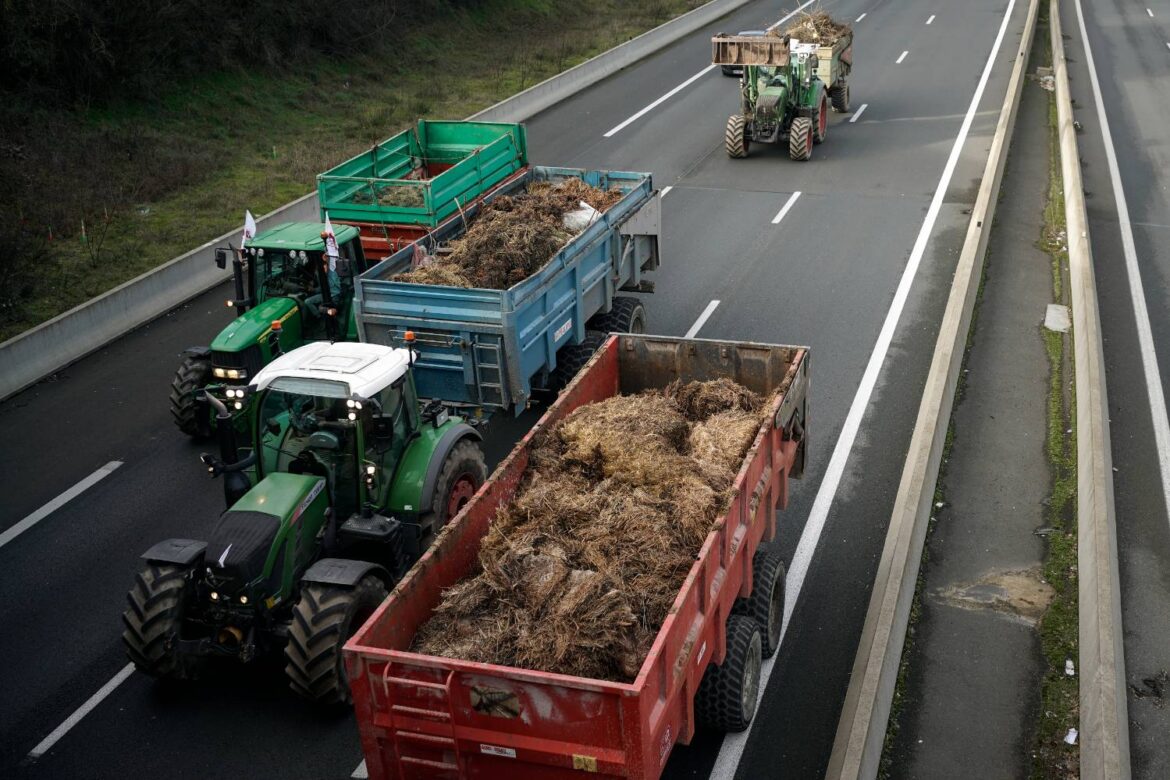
(280, 276)
(345, 482)
(784, 93)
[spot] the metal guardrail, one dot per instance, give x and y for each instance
(1104, 724)
(861, 730)
(51, 346)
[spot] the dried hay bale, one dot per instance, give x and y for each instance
(816, 27)
(515, 236)
(700, 400)
(444, 274)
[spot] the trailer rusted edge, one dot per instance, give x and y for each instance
(861, 729)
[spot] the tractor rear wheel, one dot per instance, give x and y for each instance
(821, 126)
(840, 97)
(192, 417)
(726, 699)
(462, 474)
(154, 620)
(736, 138)
(765, 605)
(627, 315)
(324, 618)
(800, 138)
(572, 358)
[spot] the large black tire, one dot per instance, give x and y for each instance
(154, 619)
(839, 95)
(324, 618)
(735, 139)
(192, 417)
(765, 605)
(572, 358)
(627, 315)
(462, 474)
(821, 125)
(726, 699)
(800, 138)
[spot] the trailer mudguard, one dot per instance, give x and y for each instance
(182, 552)
(345, 572)
(453, 436)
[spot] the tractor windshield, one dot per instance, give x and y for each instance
(287, 273)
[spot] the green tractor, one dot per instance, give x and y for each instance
(784, 98)
(346, 482)
(280, 276)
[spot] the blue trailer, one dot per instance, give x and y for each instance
(486, 350)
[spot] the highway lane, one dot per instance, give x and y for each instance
(824, 275)
(1130, 229)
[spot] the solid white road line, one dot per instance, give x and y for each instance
(361, 773)
(931, 19)
(857, 113)
(699, 323)
(858, 19)
(784, 209)
(666, 189)
(59, 502)
(1136, 290)
(733, 744)
(899, 61)
(635, 117)
(47, 743)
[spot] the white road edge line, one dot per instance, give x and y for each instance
(47, 743)
(635, 117)
(733, 746)
(58, 502)
(899, 60)
(857, 114)
(1136, 289)
(858, 19)
(664, 190)
(699, 323)
(784, 209)
(361, 773)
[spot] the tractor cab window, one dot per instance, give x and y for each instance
(286, 273)
(389, 426)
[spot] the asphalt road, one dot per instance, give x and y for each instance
(826, 274)
(1130, 47)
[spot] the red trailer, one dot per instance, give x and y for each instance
(430, 717)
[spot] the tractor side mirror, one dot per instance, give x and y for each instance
(221, 258)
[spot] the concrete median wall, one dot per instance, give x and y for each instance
(49, 347)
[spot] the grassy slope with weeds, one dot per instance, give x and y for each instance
(1059, 711)
(149, 179)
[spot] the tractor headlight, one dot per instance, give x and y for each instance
(244, 600)
(239, 405)
(219, 373)
(352, 416)
(370, 469)
(214, 596)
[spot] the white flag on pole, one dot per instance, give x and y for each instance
(330, 244)
(249, 228)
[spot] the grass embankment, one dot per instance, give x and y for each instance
(1053, 758)
(150, 179)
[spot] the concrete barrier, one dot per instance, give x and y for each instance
(1104, 725)
(50, 346)
(861, 730)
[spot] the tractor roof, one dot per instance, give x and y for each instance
(363, 369)
(300, 235)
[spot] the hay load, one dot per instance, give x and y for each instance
(817, 27)
(513, 237)
(579, 570)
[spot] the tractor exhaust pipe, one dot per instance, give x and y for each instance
(235, 481)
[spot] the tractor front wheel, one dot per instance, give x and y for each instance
(840, 97)
(192, 417)
(821, 126)
(463, 472)
(154, 619)
(324, 618)
(736, 139)
(800, 138)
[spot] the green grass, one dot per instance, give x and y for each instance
(153, 179)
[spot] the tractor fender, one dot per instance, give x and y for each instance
(344, 571)
(182, 552)
(443, 447)
(197, 352)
